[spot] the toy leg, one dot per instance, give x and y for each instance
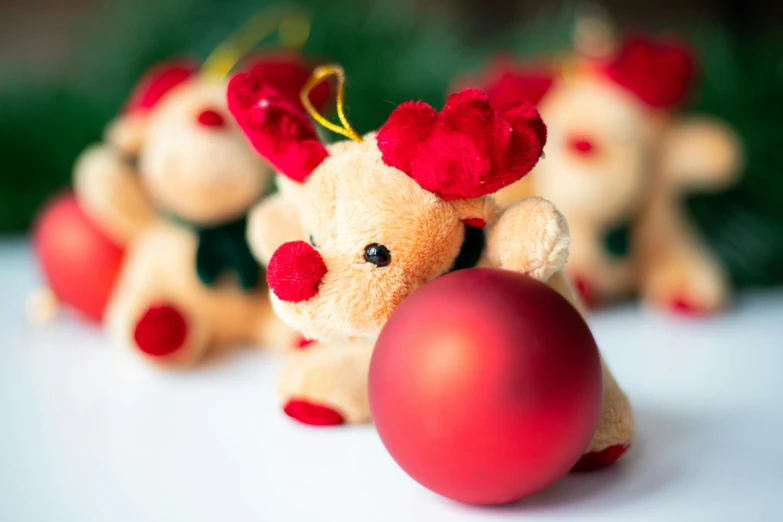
(686, 280)
(327, 384)
(676, 271)
(150, 312)
(616, 426)
(158, 328)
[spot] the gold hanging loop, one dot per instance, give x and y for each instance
(293, 27)
(320, 74)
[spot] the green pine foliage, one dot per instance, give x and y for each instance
(743, 84)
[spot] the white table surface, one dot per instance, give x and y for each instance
(87, 436)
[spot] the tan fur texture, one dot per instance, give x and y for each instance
(202, 175)
(273, 223)
(354, 199)
(357, 297)
(109, 190)
(334, 375)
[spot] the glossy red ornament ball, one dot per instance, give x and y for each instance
(485, 386)
(79, 262)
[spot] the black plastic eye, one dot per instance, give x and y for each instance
(312, 241)
(377, 254)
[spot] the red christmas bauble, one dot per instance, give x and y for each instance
(485, 386)
(79, 262)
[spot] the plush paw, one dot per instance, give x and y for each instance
(687, 287)
(312, 414)
(327, 384)
(271, 223)
(109, 192)
(160, 331)
(531, 237)
(683, 306)
(600, 459)
(301, 342)
(586, 291)
(163, 333)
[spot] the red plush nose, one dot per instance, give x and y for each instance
(582, 146)
(295, 271)
(211, 118)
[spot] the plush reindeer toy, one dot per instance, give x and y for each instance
(620, 159)
(373, 218)
(173, 184)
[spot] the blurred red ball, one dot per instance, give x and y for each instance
(485, 386)
(79, 262)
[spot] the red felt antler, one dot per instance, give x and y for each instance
(287, 72)
(506, 81)
(266, 105)
(157, 82)
(658, 73)
(468, 149)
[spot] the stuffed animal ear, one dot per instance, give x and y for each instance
(507, 81)
(467, 150)
(700, 153)
(659, 73)
(157, 82)
(287, 72)
(126, 133)
(275, 121)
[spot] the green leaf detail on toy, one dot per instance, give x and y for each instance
(224, 248)
(617, 241)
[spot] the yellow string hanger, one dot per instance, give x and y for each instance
(292, 26)
(320, 74)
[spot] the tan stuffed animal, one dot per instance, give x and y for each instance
(387, 213)
(618, 163)
(173, 184)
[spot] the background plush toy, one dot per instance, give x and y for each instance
(385, 214)
(173, 184)
(619, 162)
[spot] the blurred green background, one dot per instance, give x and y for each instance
(67, 66)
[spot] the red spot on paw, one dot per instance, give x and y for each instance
(474, 222)
(683, 306)
(160, 331)
(312, 414)
(211, 118)
(303, 342)
(600, 459)
(585, 291)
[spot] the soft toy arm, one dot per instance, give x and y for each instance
(271, 223)
(110, 193)
(531, 237)
(700, 153)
